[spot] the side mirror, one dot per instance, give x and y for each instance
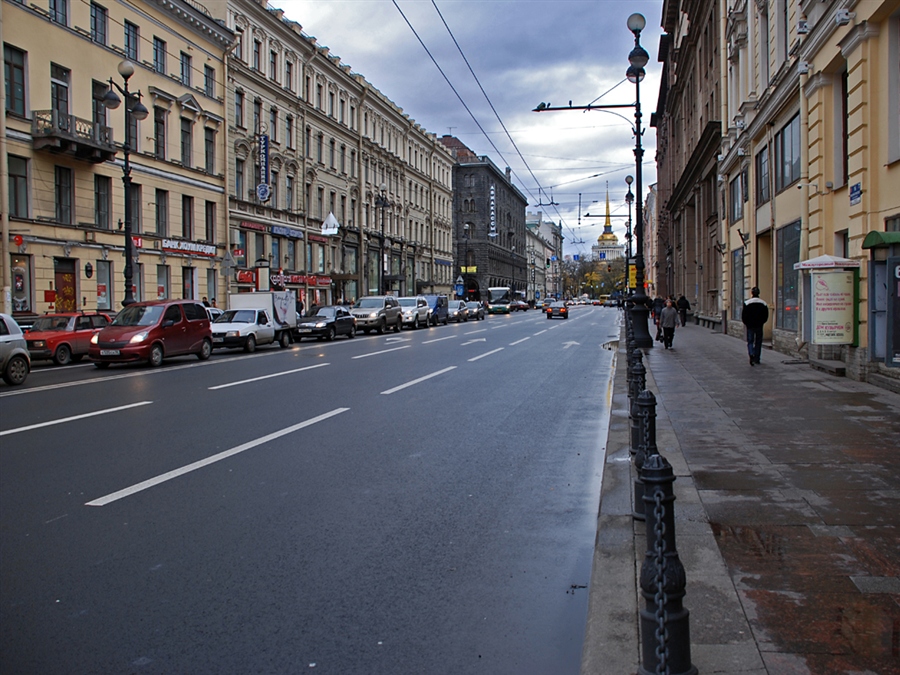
(168, 323)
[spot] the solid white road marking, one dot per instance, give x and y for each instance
(266, 377)
(472, 332)
(540, 331)
(471, 342)
(513, 344)
(162, 478)
(487, 354)
(566, 345)
(73, 418)
(449, 337)
(383, 351)
(421, 379)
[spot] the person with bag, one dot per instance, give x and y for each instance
(668, 319)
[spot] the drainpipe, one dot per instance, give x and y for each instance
(226, 62)
(4, 197)
(722, 227)
(804, 198)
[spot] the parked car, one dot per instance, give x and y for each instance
(15, 363)
(476, 311)
(151, 331)
(244, 329)
(214, 312)
(438, 306)
(377, 312)
(64, 336)
(559, 309)
(415, 311)
(457, 311)
(326, 323)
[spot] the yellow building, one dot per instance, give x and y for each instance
(64, 241)
(809, 167)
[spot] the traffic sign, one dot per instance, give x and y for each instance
(459, 289)
(459, 281)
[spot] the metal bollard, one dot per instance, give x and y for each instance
(645, 416)
(665, 623)
(638, 382)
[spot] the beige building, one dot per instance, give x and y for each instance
(355, 197)
(810, 166)
(63, 243)
(779, 152)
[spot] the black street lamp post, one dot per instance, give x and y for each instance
(465, 264)
(382, 203)
(638, 58)
(133, 108)
(629, 199)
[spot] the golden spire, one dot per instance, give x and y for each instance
(608, 235)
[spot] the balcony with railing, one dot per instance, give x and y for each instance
(70, 135)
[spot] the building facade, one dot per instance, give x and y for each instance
(64, 198)
(333, 188)
(488, 225)
(806, 163)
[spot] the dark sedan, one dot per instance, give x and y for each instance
(327, 322)
(476, 311)
(558, 309)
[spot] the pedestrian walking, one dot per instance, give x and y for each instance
(754, 316)
(668, 319)
(683, 307)
(205, 301)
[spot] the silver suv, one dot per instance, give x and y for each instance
(15, 363)
(415, 311)
(378, 313)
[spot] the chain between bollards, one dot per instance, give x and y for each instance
(644, 414)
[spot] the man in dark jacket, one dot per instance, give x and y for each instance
(683, 306)
(754, 316)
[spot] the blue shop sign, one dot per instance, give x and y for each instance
(286, 232)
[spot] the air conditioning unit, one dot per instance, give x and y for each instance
(843, 16)
(802, 27)
(803, 67)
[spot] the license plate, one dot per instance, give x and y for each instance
(304, 330)
(109, 352)
(218, 339)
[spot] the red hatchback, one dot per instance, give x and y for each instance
(65, 336)
(152, 331)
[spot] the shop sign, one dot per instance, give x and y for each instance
(282, 279)
(245, 277)
(137, 242)
(281, 231)
(102, 300)
(833, 308)
(193, 247)
(314, 237)
(246, 224)
(321, 281)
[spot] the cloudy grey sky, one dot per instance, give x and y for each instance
(523, 52)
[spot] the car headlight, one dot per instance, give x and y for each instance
(373, 315)
(233, 333)
(38, 344)
(140, 337)
(321, 324)
(95, 338)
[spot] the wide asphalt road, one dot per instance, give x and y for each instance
(422, 502)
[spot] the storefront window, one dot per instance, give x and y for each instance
(788, 282)
(239, 250)
(21, 283)
(162, 282)
(187, 282)
(137, 282)
(737, 282)
(350, 260)
(104, 285)
(211, 284)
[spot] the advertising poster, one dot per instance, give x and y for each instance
(833, 308)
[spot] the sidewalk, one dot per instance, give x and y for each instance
(787, 515)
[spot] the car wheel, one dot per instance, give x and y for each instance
(63, 355)
(156, 356)
(366, 331)
(329, 335)
(399, 325)
(250, 345)
(352, 333)
(16, 370)
(382, 327)
(285, 340)
(101, 365)
(416, 323)
(205, 350)
(446, 321)
(549, 317)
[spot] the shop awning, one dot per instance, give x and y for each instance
(826, 262)
(877, 239)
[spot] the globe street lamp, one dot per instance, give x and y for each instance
(638, 58)
(133, 108)
(382, 203)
